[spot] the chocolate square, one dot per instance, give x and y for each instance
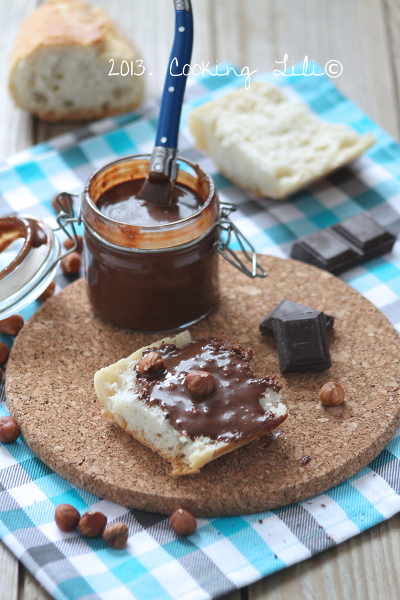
(364, 233)
(288, 308)
(302, 343)
(326, 250)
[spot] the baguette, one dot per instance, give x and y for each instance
(270, 145)
(118, 388)
(60, 64)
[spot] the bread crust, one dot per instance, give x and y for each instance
(63, 24)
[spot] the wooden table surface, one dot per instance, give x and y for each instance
(364, 36)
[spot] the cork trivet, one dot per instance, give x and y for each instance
(49, 390)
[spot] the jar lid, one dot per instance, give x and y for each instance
(29, 256)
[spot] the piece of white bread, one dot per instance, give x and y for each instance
(60, 64)
(270, 145)
(115, 388)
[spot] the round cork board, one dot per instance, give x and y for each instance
(49, 388)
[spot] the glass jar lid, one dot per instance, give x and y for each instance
(29, 256)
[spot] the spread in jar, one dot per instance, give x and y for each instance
(230, 412)
(150, 267)
(123, 203)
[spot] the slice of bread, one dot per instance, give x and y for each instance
(60, 64)
(118, 390)
(270, 145)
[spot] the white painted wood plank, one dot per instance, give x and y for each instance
(15, 125)
(363, 568)
(8, 575)
(259, 33)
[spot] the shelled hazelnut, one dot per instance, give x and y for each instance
(71, 264)
(92, 524)
(199, 383)
(66, 517)
(331, 394)
(69, 243)
(4, 352)
(9, 430)
(12, 325)
(48, 292)
(63, 201)
(151, 363)
(183, 523)
(116, 535)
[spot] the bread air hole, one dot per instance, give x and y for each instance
(68, 103)
(39, 97)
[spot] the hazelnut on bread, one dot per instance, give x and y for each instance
(60, 64)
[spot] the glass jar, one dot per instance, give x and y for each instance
(151, 278)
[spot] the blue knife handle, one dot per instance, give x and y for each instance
(175, 81)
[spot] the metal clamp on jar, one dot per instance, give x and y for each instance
(147, 278)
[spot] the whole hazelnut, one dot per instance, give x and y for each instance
(66, 517)
(183, 523)
(199, 383)
(9, 430)
(116, 535)
(12, 325)
(151, 363)
(62, 200)
(71, 264)
(331, 394)
(4, 352)
(92, 524)
(48, 292)
(68, 244)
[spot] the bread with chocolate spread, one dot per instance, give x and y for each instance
(60, 64)
(269, 144)
(190, 402)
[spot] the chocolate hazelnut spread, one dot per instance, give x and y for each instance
(230, 412)
(123, 203)
(150, 267)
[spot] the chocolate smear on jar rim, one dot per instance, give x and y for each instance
(231, 412)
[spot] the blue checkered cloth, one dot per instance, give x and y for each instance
(224, 553)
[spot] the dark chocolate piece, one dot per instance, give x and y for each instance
(345, 245)
(302, 343)
(325, 250)
(288, 308)
(364, 233)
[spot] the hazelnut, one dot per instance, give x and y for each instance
(199, 383)
(63, 201)
(92, 524)
(48, 292)
(66, 517)
(331, 394)
(116, 535)
(71, 264)
(9, 430)
(68, 244)
(4, 352)
(151, 363)
(12, 325)
(182, 522)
